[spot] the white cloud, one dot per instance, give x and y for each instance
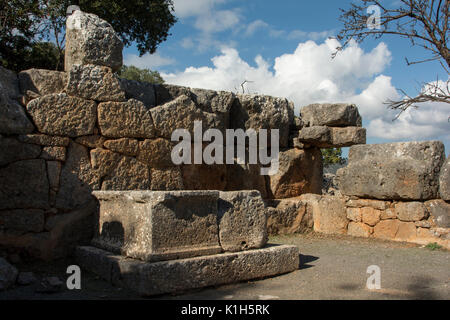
(254, 26)
(190, 8)
(309, 75)
(149, 61)
(217, 21)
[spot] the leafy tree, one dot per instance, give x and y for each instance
(332, 156)
(145, 75)
(23, 23)
(424, 22)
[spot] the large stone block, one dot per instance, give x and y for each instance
(91, 40)
(444, 180)
(22, 220)
(440, 211)
(399, 171)
(13, 150)
(139, 90)
(158, 225)
(129, 119)
(300, 172)
(62, 115)
(288, 216)
(243, 220)
(94, 83)
(42, 82)
(329, 137)
(333, 115)
(263, 112)
(330, 215)
(180, 275)
(411, 211)
(24, 184)
(13, 119)
(246, 177)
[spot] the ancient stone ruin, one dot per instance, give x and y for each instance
(86, 169)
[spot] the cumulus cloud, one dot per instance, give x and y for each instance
(149, 61)
(310, 75)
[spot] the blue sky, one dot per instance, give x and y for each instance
(282, 47)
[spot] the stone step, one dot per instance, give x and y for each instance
(155, 278)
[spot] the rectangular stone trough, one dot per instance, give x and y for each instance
(158, 225)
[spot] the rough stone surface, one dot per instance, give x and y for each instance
(22, 220)
(327, 137)
(386, 229)
(243, 220)
(333, 115)
(398, 171)
(444, 180)
(77, 179)
(288, 216)
(8, 275)
(42, 82)
(138, 90)
(411, 211)
(370, 216)
(181, 113)
(54, 153)
(357, 229)
(9, 83)
(406, 232)
(167, 179)
(300, 172)
(263, 112)
(180, 275)
(91, 40)
(156, 153)
(60, 114)
(128, 174)
(94, 141)
(44, 140)
(246, 177)
(24, 184)
(440, 211)
(129, 119)
(95, 83)
(158, 225)
(13, 119)
(126, 146)
(53, 172)
(204, 177)
(375, 204)
(13, 150)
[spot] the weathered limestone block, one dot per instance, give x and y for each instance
(60, 114)
(166, 179)
(370, 216)
(181, 113)
(42, 82)
(411, 211)
(328, 137)
(398, 171)
(128, 174)
(360, 203)
(243, 221)
(9, 83)
(246, 177)
(204, 177)
(13, 150)
(386, 229)
(330, 215)
(94, 141)
(24, 184)
(358, 229)
(8, 275)
(139, 90)
(13, 119)
(156, 152)
(180, 275)
(263, 112)
(440, 211)
(300, 172)
(126, 146)
(444, 180)
(44, 140)
(407, 231)
(158, 225)
(78, 179)
(54, 153)
(129, 119)
(91, 40)
(94, 83)
(332, 115)
(288, 216)
(22, 220)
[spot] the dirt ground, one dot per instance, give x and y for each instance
(331, 267)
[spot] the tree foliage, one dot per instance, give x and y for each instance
(144, 75)
(424, 22)
(24, 23)
(332, 156)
